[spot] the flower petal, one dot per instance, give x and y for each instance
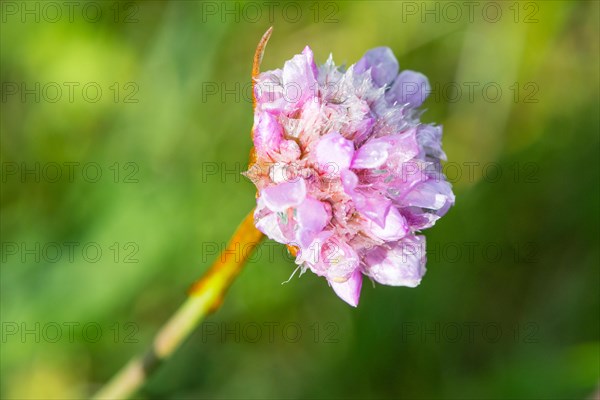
(402, 264)
(395, 226)
(340, 258)
(372, 154)
(349, 291)
(430, 139)
(349, 181)
(268, 133)
(299, 79)
(267, 222)
(333, 150)
(372, 205)
(432, 194)
(312, 217)
(311, 254)
(403, 146)
(410, 88)
(382, 63)
(284, 195)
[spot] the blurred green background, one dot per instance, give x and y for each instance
(509, 307)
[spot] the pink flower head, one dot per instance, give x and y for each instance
(345, 171)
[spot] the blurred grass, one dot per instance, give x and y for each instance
(175, 130)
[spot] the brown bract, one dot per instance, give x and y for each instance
(258, 56)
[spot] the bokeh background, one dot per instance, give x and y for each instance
(509, 307)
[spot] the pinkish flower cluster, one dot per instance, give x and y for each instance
(346, 173)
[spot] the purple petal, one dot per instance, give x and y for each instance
(419, 218)
(310, 59)
(284, 195)
(371, 155)
(403, 146)
(312, 217)
(363, 129)
(312, 214)
(269, 92)
(402, 264)
(395, 227)
(349, 181)
(430, 138)
(410, 88)
(299, 78)
(269, 225)
(268, 134)
(383, 64)
(333, 150)
(432, 194)
(311, 254)
(267, 222)
(340, 259)
(372, 205)
(349, 291)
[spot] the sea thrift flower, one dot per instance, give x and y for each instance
(346, 173)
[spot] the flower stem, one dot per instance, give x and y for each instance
(205, 297)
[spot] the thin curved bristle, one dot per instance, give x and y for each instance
(258, 56)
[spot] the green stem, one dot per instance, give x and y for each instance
(205, 297)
